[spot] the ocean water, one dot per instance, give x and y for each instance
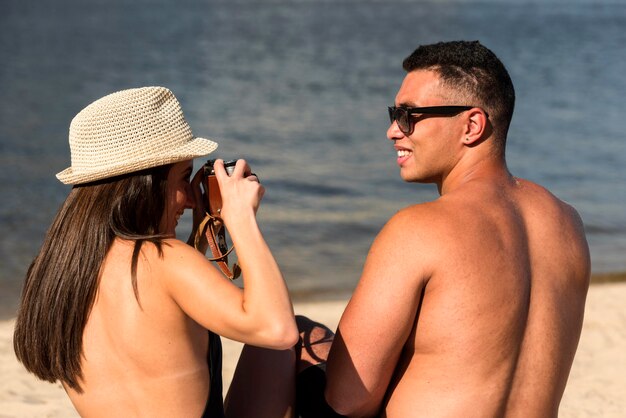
(299, 88)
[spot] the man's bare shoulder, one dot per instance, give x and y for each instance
(429, 221)
(556, 230)
(419, 232)
(421, 216)
(537, 198)
(538, 192)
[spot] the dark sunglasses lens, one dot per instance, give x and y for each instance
(402, 117)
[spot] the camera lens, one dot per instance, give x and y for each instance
(230, 166)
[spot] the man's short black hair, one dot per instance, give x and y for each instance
(475, 73)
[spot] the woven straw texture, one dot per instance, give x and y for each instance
(128, 131)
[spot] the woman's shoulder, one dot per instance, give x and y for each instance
(174, 257)
(167, 252)
(170, 249)
(176, 245)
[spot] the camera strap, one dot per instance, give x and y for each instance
(214, 225)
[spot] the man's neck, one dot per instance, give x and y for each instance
(490, 169)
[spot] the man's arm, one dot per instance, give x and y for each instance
(379, 318)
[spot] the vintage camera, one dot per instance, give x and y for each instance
(212, 195)
(228, 165)
(214, 223)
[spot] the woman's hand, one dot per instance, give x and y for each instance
(241, 192)
(199, 211)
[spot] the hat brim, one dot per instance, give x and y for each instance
(195, 148)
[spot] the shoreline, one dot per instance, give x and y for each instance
(608, 277)
(594, 388)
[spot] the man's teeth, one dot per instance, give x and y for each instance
(403, 153)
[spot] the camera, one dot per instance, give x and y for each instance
(213, 223)
(213, 197)
(228, 165)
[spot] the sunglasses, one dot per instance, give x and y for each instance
(402, 115)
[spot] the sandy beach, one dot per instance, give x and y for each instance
(595, 387)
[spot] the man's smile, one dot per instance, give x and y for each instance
(403, 154)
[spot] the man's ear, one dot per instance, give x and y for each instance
(476, 126)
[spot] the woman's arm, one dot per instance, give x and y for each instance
(261, 313)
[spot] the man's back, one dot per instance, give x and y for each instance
(501, 312)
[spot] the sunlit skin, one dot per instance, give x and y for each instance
(470, 305)
(147, 356)
(179, 196)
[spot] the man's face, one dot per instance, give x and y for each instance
(428, 153)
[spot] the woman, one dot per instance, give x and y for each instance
(117, 309)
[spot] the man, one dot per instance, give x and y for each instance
(470, 305)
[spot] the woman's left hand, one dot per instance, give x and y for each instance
(199, 211)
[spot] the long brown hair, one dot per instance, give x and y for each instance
(62, 281)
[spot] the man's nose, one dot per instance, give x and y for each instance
(393, 132)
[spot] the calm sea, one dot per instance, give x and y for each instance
(299, 88)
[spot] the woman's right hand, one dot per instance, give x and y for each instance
(241, 192)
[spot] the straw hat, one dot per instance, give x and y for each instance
(128, 131)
